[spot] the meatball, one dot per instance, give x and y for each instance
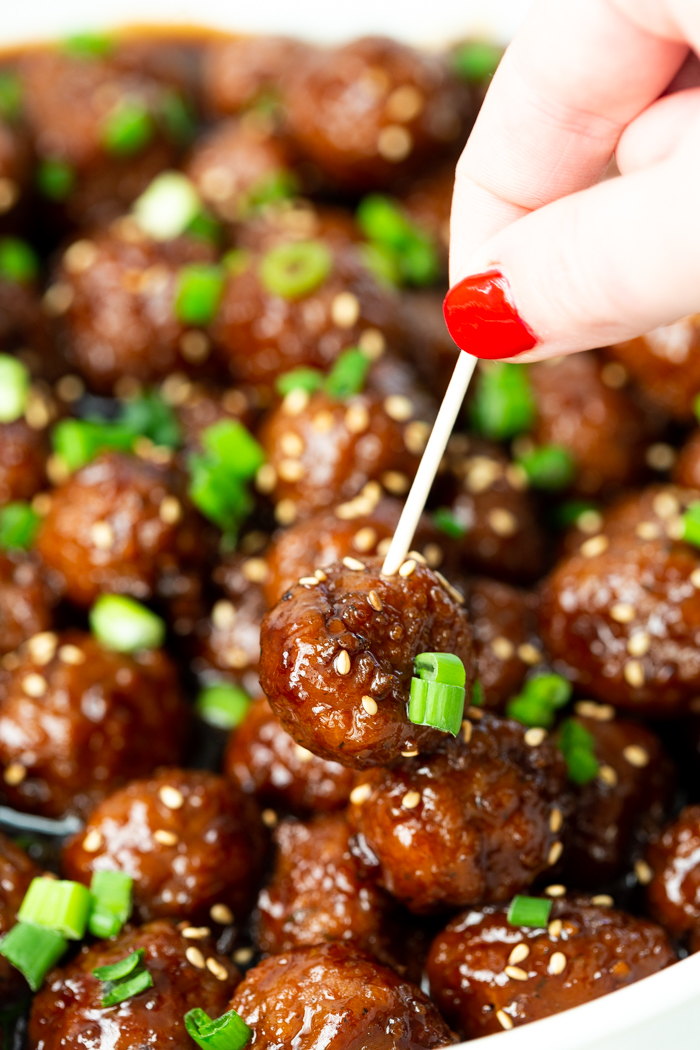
(373, 110)
(229, 638)
(23, 453)
(26, 600)
(338, 652)
(333, 995)
(666, 365)
(486, 974)
(620, 615)
(115, 294)
(626, 803)
(362, 526)
(117, 526)
(477, 821)
(427, 201)
(15, 168)
(68, 1010)
(190, 840)
(262, 757)
(77, 721)
(505, 638)
(600, 425)
(673, 892)
(239, 73)
(16, 872)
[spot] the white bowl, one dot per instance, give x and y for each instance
(660, 1011)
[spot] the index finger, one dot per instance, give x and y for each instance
(575, 75)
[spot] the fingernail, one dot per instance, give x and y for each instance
(482, 319)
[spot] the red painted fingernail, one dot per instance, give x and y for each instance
(482, 319)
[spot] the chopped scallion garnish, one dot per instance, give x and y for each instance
(167, 207)
(57, 904)
(124, 625)
(150, 416)
(111, 892)
(437, 695)
(477, 697)
(116, 971)
(55, 178)
(295, 270)
(10, 95)
(382, 264)
(124, 979)
(198, 291)
(347, 376)
(387, 227)
(550, 467)
(78, 441)
(235, 447)
(19, 524)
(228, 1032)
(177, 116)
(530, 911)
(503, 403)
(14, 388)
(577, 746)
(308, 379)
(446, 521)
(236, 261)
(277, 186)
(540, 699)
(33, 950)
(218, 478)
(128, 128)
(476, 60)
(690, 524)
(19, 262)
(223, 705)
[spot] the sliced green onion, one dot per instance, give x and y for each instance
(218, 494)
(387, 227)
(228, 1032)
(232, 445)
(55, 178)
(476, 60)
(14, 388)
(551, 689)
(33, 950)
(57, 904)
(347, 376)
(19, 524)
(530, 911)
(152, 417)
(446, 521)
(530, 712)
(178, 118)
(198, 291)
(440, 667)
(78, 441)
(550, 467)
(111, 891)
(295, 270)
(18, 261)
(690, 524)
(167, 207)
(124, 625)
(696, 408)
(236, 261)
(127, 989)
(578, 748)
(223, 705)
(10, 95)
(88, 45)
(128, 128)
(382, 264)
(277, 186)
(308, 379)
(503, 403)
(477, 698)
(437, 695)
(539, 700)
(115, 971)
(204, 227)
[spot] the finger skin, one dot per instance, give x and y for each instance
(658, 131)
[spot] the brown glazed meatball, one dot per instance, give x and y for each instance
(116, 526)
(624, 805)
(673, 894)
(428, 202)
(189, 839)
(505, 638)
(120, 316)
(26, 600)
(666, 365)
(600, 425)
(621, 615)
(229, 638)
(470, 823)
(238, 73)
(486, 975)
(23, 453)
(262, 757)
(337, 659)
(358, 528)
(372, 110)
(77, 721)
(67, 1013)
(15, 167)
(337, 997)
(16, 872)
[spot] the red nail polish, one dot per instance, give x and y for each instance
(482, 319)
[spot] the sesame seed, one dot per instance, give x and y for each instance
(660, 456)
(266, 479)
(360, 794)
(291, 470)
(557, 964)
(415, 437)
(504, 1020)
(520, 952)
(411, 799)
(555, 820)
(466, 730)
(42, 647)
(56, 470)
(534, 737)
(608, 775)
(58, 299)
(623, 612)
(356, 419)
(345, 310)
(407, 568)
(34, 685)
(269, 818)
(554, 929)
(516, 477)
(243, 956)
(602, 900)
(452, 591)
(323, 421)
(196, 933)
(529, 654)
(633, 673)
(643, 872)
(102, 535)
(14, 774)
(342, 662)
(285, 512)
(165, 838)
(255, 570)
(223, 615)
(170, 510)
(176, 388)
(614, 375)
(375, 601)
(434, 554)
(215, 967)
(320, 575)
(302, 754)
(295, 402)
(515, 973)
(648, 530)
(309, 581)
(590, 522)
(595, 546)
(292, 444)
(475, 713)
(372, 343)
(37, 412)
(636, 756)
(41, 504)
(92, 841)
(195, 347)
(9, 192)
(354, 564)
(222, 914)
(555, 890)
(236, 657)
(599, 712)
(171, 797)
(395, 482)
(398, 407)
(695, 578)
(195, 957)
(481, 473)
(502, 521)
(394, 143)
(71, 654)
(502, 648)
(665, 505)
(364, 539)
(410, 753)
(370, 705)
(383, 546)
(555, 853)
(404, 103)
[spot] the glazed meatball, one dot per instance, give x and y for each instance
(624, 805)
(115, 292)
(116, 526)
(26, 600)
(620, 615)
(23, 453)
(262, 757)
(505, 638)
(487, 975)
(15, 167)
(666, 365)
(373, 110)
(337, 658)
(333, 995)
(68, 1013)
(16, 872)
(228, 639)
(190, 840)
(471, 823)
(673, 876)
(428, 202)
(362, 526)
(239, 73)
(600, 425)
(77, 721)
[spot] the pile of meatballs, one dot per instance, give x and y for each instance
(336, 874)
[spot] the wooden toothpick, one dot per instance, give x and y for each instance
(427, 469)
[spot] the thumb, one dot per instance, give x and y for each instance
(600, 266)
